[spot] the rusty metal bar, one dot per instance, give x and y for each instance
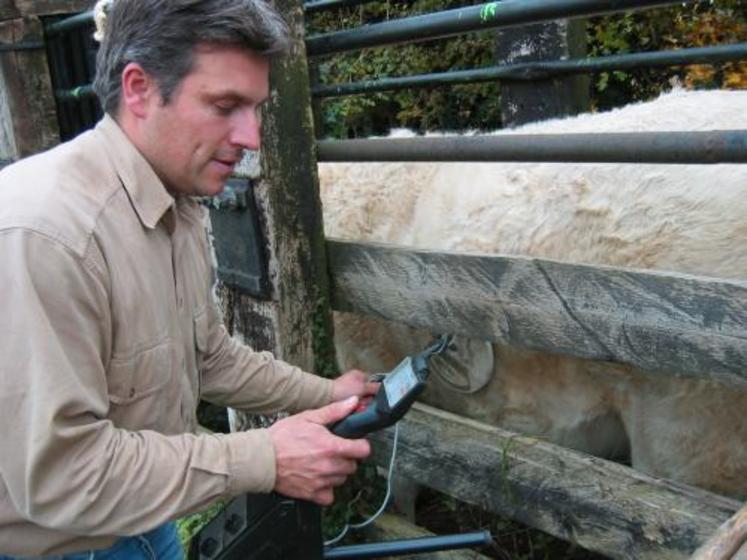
(542, 70)
(688, 147)
(474, 18)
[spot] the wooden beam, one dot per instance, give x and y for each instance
(289, 192)
(8, 10)
(11, 9)
(602, 506)
(28, 113)
(523, 102)
(727, 541)
(653, 321)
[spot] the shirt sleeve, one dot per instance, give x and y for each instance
(65, 466)
(235, 375)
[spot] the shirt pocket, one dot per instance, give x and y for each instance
(138, 387)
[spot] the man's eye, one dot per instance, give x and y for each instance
(225, 108)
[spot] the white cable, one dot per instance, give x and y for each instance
(341, 534)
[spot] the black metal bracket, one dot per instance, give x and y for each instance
(238, 240)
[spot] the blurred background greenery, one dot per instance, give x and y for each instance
(477, 106)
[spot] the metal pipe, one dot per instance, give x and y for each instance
(523, 71)
(473, 18)
(328, 5)
(542, 70)
(684, 147)
(68, 24)
(409, 546)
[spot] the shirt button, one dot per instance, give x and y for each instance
(180, 301)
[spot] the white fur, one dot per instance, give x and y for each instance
(99, 18)
(669, 217)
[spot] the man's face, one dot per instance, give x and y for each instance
(195, 141)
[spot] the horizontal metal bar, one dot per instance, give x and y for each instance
(75, 94)
(542, 70)
(409, 546)
(729, 146)
(326, 5)
(69, 24)
(473, 18)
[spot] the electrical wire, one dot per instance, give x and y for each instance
(341, 535)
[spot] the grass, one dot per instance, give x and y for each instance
(189, 526)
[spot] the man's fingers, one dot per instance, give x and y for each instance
(332, 412)
(372, 387)
(335, 481)
(324, 497)
(357, 449)
(343, 466)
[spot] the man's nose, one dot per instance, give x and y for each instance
(246, 130)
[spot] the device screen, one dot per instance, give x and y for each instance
(399, 382)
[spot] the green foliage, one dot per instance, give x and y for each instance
(189, 526)
(355, 501)
(477, 106)
(443, 108)
(682, 26)
(325, 363)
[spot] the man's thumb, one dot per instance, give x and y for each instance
(333, 412)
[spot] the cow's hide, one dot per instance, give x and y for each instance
(690, 219)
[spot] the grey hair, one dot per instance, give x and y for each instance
(161, 36)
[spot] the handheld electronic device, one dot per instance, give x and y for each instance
(272, 527)
(398, 391)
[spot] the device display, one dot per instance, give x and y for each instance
(400, 382)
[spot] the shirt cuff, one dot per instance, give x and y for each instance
(313, 391)
(251, 462)
(327, 390)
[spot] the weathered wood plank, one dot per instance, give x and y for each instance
(290, 197)
(602, 506)
(27, 107)
(523, 102)
(727, 541)
(654, 321)
(10, 9)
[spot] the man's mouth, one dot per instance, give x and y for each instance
(226, 164)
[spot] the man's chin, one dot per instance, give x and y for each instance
(212, 188)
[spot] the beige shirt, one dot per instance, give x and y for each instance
(109, 336)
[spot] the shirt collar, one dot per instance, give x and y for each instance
(148, 195)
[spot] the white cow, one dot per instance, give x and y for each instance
(690, 219)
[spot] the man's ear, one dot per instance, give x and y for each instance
(139, 90)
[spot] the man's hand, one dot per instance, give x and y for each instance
(311, 461)
(354, 383)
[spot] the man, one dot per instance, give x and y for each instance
(109, 332)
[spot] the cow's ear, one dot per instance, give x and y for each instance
(466, 366)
